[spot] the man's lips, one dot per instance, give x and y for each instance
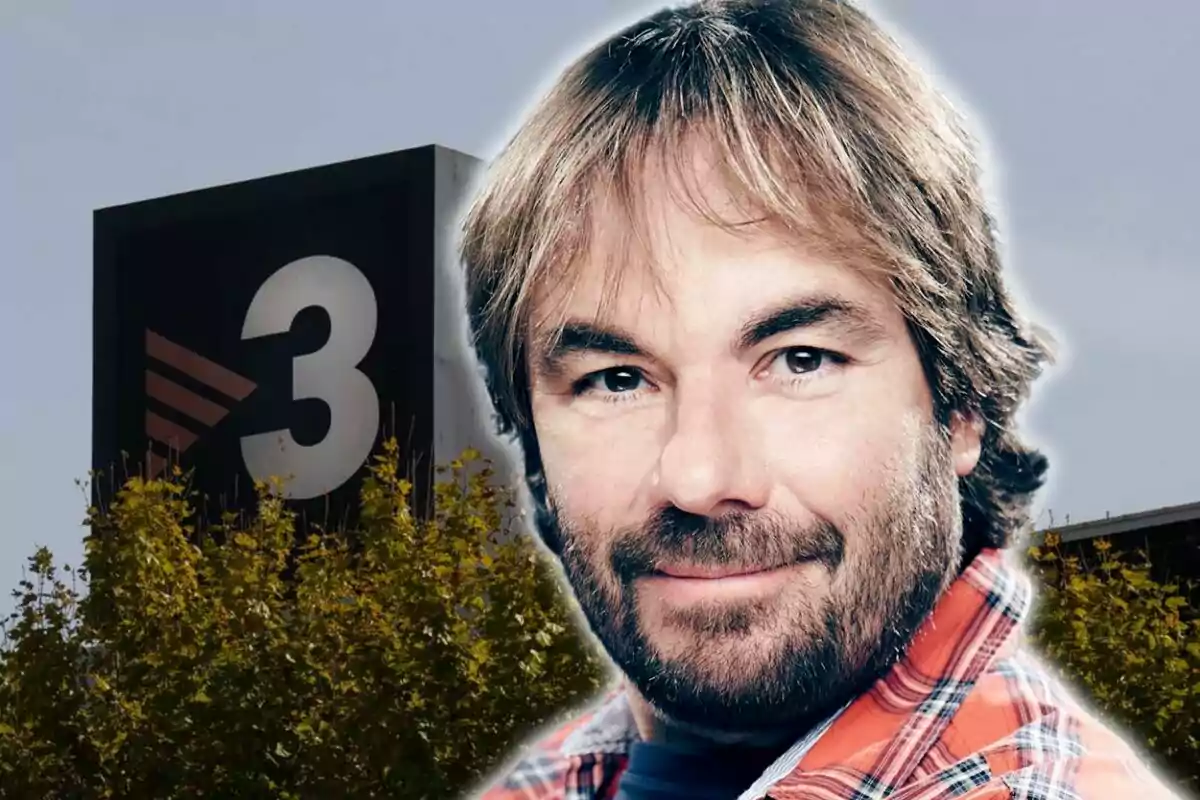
(710, 573)
(689, 584)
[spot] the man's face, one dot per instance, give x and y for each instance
(754, 503)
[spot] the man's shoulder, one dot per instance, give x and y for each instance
(1037, 737)
(590, 747)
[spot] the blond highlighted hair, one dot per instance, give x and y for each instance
(820, 125)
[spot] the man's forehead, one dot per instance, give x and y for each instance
(634, 218)
(632, 250)
(621, 282)
(640, 316)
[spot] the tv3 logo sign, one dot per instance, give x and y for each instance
(330, 374)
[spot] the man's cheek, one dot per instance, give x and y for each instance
(836, 463)
(826, 480)
(590, 557)
(605, 486)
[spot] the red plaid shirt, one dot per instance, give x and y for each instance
(966, 714)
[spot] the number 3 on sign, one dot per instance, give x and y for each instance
(330, 375)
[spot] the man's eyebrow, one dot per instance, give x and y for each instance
(811, 312)
(581, 337)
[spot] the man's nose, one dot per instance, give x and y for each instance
(711, 462)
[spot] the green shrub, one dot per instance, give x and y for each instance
(404, 666)
(1131, 644)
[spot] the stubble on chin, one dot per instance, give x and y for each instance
(733, 646)
(798, 607)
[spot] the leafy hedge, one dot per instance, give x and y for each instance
(1130, 643)
(191, 671)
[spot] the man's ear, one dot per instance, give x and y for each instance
(966, 441)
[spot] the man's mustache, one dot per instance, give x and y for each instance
(744, 540)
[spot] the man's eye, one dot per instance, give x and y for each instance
(801, 360)
(621, 380)
(617, 380)
(803, 363)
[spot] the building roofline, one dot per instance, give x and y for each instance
(1126, 522)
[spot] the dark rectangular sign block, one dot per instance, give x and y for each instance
(278, 327)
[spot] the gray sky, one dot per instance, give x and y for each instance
(1086, 113)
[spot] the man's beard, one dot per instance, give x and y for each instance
(908, 550)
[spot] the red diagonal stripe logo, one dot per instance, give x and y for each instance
(185, 401)
(197, 367)
(204, 412)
